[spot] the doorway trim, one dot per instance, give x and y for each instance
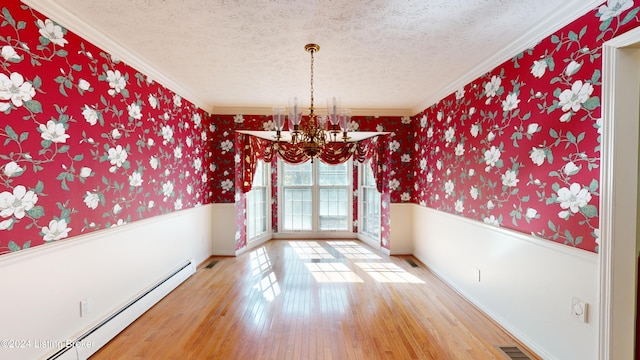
(619, 195)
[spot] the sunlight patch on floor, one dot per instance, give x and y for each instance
(332, 272)
(310, 250)
(388, 273)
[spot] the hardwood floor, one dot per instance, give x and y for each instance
(311, 300)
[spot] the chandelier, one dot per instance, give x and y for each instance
(312, 136)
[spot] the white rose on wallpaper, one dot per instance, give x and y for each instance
(472, 172)
(532, 128)
(115, 133)
(117, 156)
(491, 220)
(197, 164)
(440, 115)
(226, 145)
(53, 132)
(490, 204)
(177, 152)
(84, 84)
(459, 206)
(430, 177)
(423, 121)
(572, 68)
(177, 205)
(472, 110)
(135, 179)
(9, 53)
(492, 87)
(405, 158)
(17, 203)
(473, 192)
(448, 187)
(394, 145)
(151, 204)
(491, 135)
(492, 156)
(614, 8)
(14, 88)
(177, 100)
(531, 213)
(405, 120)
(116, 81)
(167, 189)
(153, 101)
(405, 196)
(5, 224)
(154, 162)
(167, 133)
(460, 149)
(537, 155)
(189, 189)
(56, 230)
(204, 178)
(120, 222)
(85, 172)
(565, 117)
(91, 200)
(570, 168)
(596, 235)
(238, 119)
(150, 142)
(573, 198)
(90, 115)
(12, 169)
(135, 111)
(423, 164)
(203, 136)
(449, 135)
(353, 126)
(475, 130)
(430, 132)
(459, 94)
(117, 209)
(394, 184)
(598, 125)
(226, 185)
(439, 164)
(572, 99)
(509, 178)
(197, 120)
(511, 102)
(269, 126)
(538, 68)
(49, 30)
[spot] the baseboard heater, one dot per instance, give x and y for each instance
(108, 328)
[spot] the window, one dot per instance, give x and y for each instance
(257, 203)
(316, 197)
(369, 202)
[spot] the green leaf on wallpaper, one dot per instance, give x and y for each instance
(77, 67)
(573, 36)
(525, 198)
(63, 149)
(24, 136)
(630, 16)
(13, 246)
(582, 31)
(34, 106)
(69, 177)
(589, 211)
(11, 133)
(551, 226)
(62, 53)
(62, 90)
(604, 25)
(39, 187)
(593, 187)
(105, 180)
(555, 39)
(78, 157)
(569, 238)
(63, 185)
(8, 17)
(36, 212)
(21, 25)
(592, 103)
(595, 78)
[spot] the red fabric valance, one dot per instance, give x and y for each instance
(254, 148)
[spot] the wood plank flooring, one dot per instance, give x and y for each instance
(311, 300)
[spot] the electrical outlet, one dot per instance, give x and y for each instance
(476, 274)
(85, 307)
(579, 309)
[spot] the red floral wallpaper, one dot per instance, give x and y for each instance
(88, 142)
(520, 146)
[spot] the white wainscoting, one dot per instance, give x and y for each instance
(223, 229)
(401, 229)
(43, 286)
(526, 284)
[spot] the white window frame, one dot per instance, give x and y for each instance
(266, 173)
(363, 215)
(315, 232)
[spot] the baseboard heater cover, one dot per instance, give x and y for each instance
(111, 326)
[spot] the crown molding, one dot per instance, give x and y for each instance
(81, 28)
(562, 17)
(230, 110)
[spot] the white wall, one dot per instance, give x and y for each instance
(401, 229)
(42, 287)
(526, 283)
(223, 229)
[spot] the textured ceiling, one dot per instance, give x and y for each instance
(375, 54)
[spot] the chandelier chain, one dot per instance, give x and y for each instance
(311, 108)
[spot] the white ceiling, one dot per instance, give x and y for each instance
(375, 54)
